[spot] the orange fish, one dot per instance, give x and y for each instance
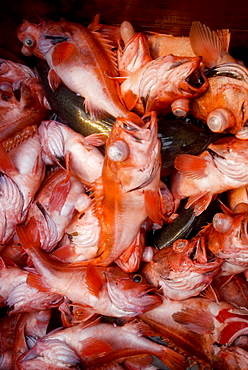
(164, 84)
(128, 192)
(106, 291)
(182, 270)
(223, 166)
(83, 60)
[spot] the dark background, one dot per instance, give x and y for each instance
(167, 16)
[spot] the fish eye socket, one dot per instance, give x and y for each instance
(118, 151)
(28, 41)
(137, 278)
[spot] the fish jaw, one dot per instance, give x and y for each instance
(132, 305)
(170, 78)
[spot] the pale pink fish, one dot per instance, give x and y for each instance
(14, 72)
(97, 344)
(107, 291)
(12, 203)
(62, 145)
(54, 206)
(18, 295)
(30, 327)
(183, 269)
(83, 60)
(81, 238)
(133, 49)
(24, 165)
(223, 166)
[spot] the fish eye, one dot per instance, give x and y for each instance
(29, 41)
(118, 151)
(137, 278)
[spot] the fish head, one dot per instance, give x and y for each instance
(229, 235)
(12, 71)
(130, 294)
(188, 76)
(28, 33)
(134, 54)
(133, 152)
(224, 106)
(21, 105)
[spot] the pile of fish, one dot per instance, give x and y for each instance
(124, 206)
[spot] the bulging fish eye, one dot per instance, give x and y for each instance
(29, 41)
(118, 151)
(137, 278)
(222, 222)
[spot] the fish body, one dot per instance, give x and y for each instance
(129, 189)
(108, 291)
(99, 344)
(79, 154)
(69, 107)
(84, 62)
(179, 322)
(21, 102)
(19, 296)
(55, 205)
(223, 166)
(182, 270)
(163, 81)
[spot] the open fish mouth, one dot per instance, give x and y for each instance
(196, 79)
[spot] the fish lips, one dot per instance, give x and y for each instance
(195, 81)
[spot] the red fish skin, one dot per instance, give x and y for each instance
(135, 189)
(108, 291)
(98, 344)
(177, 273)
(177, 322)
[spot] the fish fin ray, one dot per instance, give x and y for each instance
(199, 202)
(37, 282)
(153, 204)
(59, 195)
(191, 166)
(196, 320)
(208, 44)
(93, 110)
(53, 79)
(96, 139)
(93, 280)
(7, 165)
(62, 52)
(93, 347)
